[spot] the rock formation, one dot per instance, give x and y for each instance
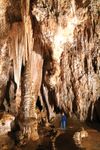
(50, 50)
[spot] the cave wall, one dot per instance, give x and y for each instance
(72, 57)
(70, 35)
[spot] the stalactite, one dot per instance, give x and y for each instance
(20, 47)
(21, 42)
(70, 32)
(81, 71)
(28, 52)
(16, 50)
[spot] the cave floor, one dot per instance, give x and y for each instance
(54, 138)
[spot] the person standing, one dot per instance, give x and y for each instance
(63, 121)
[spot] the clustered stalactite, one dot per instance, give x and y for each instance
(24, 48)
(32, 76)
(73, 70)
(80, 76)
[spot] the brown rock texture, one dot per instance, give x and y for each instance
(72, 69)
(6, 123)
(59, 40)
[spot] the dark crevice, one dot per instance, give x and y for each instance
(88, 34)
(10, 93)
(52, 98)
(94, 64)
(38, 104)
(85, 65)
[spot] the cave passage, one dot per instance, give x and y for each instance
(49, 65)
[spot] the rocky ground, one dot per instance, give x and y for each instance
(54, 138)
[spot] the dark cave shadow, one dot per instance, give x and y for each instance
(52, 98)
(93, 125)
(65, 141)
(79, 3)
(95, 122)
(45, 144)
(8, 95)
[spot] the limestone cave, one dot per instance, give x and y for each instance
(49, 67)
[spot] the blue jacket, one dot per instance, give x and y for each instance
(63, 118)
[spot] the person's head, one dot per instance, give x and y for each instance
(63, 113)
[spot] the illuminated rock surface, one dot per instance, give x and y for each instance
(49, 60)
(6, 123)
